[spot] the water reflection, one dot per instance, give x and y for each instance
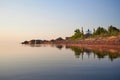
(79, 52)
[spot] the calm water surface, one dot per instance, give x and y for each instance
(50, 62)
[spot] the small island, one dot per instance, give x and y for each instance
(99, 38)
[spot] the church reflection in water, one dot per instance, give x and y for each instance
(80, 52)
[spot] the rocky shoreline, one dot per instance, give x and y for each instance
(102, 43)
(111, 41)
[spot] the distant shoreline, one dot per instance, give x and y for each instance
(102, 43)
(101, 37)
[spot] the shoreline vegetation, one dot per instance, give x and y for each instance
(100, 38)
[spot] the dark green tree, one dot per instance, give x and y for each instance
(113, 30)
(100, 32)
(77, 34)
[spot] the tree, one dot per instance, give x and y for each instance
(113, 30)
(77, 34)
(100, 31)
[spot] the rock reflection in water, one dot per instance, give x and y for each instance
(80, 51)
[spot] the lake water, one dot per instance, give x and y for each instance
(50, 62)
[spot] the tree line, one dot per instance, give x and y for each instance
(99, 32)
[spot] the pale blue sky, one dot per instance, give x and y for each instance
(47, 19)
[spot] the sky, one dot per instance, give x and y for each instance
(46, 19)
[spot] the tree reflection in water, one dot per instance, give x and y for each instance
(100, 54)
(79, 52)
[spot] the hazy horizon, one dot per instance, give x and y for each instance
(47, 19)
